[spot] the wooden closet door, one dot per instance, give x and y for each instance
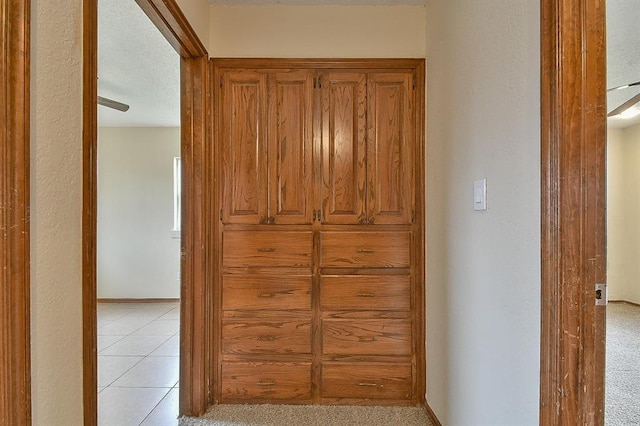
(290, 147)
(390, 148)
(244, 151)
(343, 104)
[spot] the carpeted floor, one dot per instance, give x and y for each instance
(622, 406)
(308, 415)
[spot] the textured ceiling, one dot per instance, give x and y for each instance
(623, 54)
(136, 66)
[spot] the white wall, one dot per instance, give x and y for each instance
(137, 256)
(616, 233)
(483, 282)
(56, 207)
(623, 205)
(317, 31)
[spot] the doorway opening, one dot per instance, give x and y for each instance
(193, 365)
(622, 364)
(138, 229)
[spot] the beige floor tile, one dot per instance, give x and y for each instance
(122, 326)
(159, 328)
(127, 406)
(110, 368)
(172, 314)
(112, 314)
(169, 348)
(166, 412)
(151, 372)
(138, 363)
(106, 341)
(153, 312)
(135, 345)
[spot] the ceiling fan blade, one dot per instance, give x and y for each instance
(624, 86)
(113, 104)
(625, 106)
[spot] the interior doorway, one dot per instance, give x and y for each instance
(138, 228)
(193, 367)
(622, 370)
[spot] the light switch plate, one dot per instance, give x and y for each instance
(480, 194)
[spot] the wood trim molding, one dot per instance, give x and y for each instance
(15, 344)
(169, 19)
(89, 211)
(624, 302)
(573, 211)
(196, 313)
(420, 205)
(275, 63)
(431, 414)
(194, 368)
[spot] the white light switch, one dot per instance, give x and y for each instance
(480, 194)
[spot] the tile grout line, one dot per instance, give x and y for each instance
(144, 357)
(156, 406)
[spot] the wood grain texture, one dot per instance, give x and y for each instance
(366, 249)
(290, 147)
(15, 347)
(266, 382)
(366, 337)
(367, 381)
(372, 308)
(260, 292)
(244, 146)
(390, 142)
(90, 211)
(573, 211)
(195, 312)
(376, 64)
(365, 292)
(174, 26)
(344, 122)
(286, 336)
(418, 290)
(267, 248)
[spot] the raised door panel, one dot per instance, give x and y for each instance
(244, 151)
(343, 147)
(290, 147)
(390, 145)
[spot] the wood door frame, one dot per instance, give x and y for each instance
(573, 210)
(15, 355)
(194, 363)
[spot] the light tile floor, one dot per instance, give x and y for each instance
(138, 363)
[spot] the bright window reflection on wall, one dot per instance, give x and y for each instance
(177, 193)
